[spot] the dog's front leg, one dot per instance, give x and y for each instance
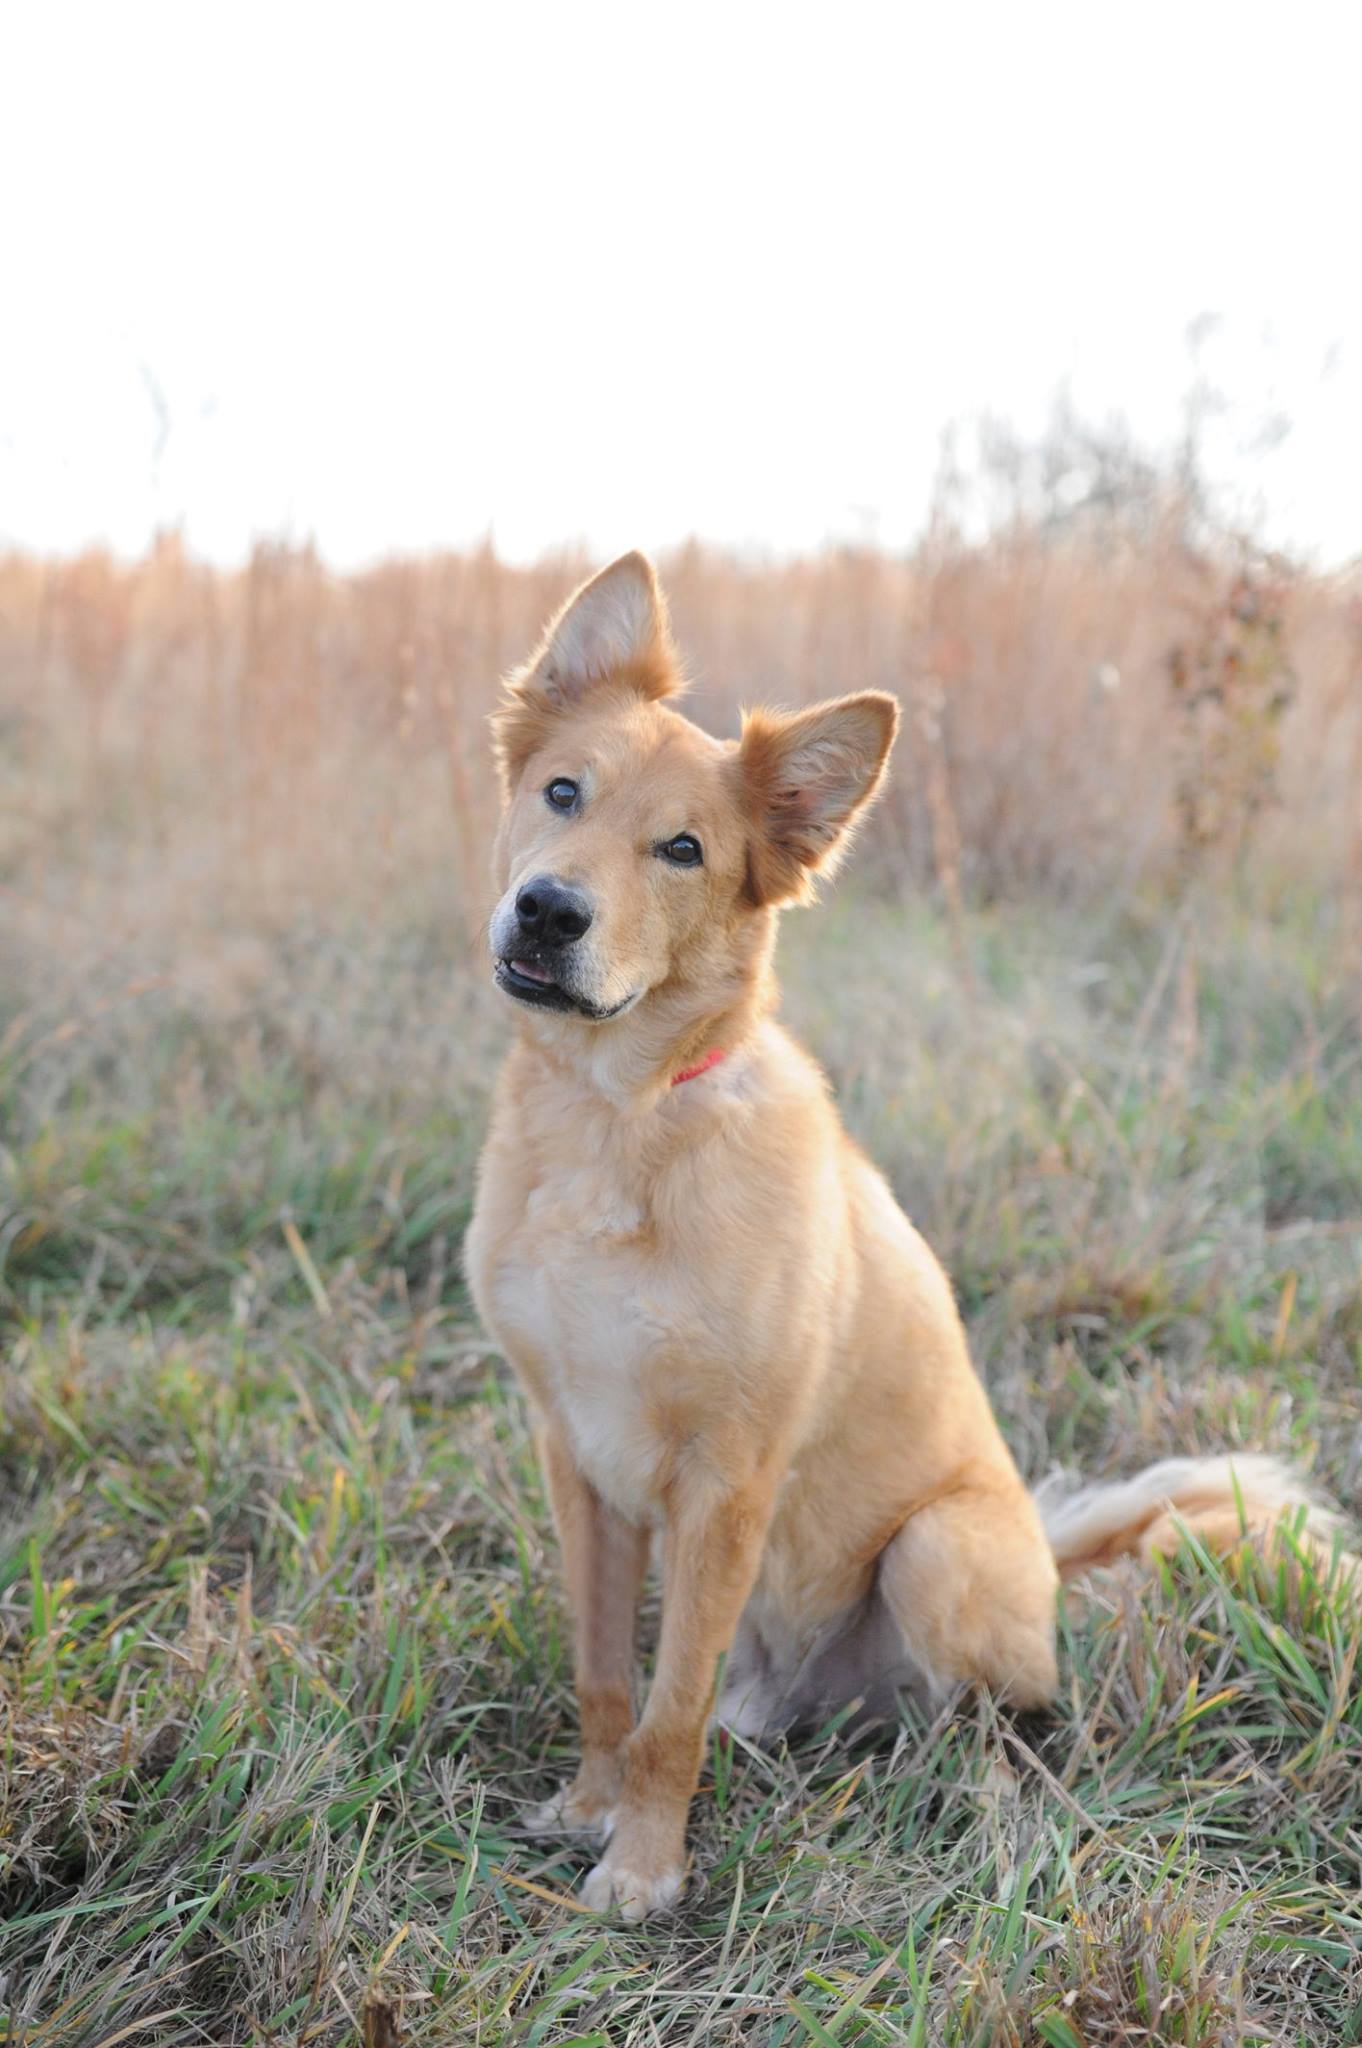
(712, 1553)
(604, 1559)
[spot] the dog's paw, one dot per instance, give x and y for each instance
(744, 1710)
(571, 1812)
(632, 1893)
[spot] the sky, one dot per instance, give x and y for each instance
(398, 277)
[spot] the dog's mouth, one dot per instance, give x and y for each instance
(530, 981)
(530, 970)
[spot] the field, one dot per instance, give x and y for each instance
(283, 1652)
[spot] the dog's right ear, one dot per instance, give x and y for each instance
(613, 630)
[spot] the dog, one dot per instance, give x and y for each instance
(727, 1328)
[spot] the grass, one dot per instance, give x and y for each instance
(284, 1657)
(1088, 701)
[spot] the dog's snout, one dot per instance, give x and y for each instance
(551, 913)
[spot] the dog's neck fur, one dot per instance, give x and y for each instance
(633, 1061)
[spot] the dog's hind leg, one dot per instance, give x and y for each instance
(971, 1583)
(748, 1702)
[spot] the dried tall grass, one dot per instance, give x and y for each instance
(183, 750)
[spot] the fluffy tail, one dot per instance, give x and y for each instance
(1221, 1501)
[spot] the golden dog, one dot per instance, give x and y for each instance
(726, 1326)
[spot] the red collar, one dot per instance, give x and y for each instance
(711, 1059)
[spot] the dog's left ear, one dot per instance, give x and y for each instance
(806, 779)
(613, 629)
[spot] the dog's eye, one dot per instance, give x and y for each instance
(562, 794)
(683, 851)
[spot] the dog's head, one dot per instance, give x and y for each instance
(638, 854)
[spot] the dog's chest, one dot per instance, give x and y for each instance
(588, 1300)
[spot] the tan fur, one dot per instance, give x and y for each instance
(728, 1329)
(1221, 1500)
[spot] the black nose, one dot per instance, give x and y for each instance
(552, 914)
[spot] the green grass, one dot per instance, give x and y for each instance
(284, 1656)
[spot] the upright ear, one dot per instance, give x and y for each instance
(807, 777)
(613, 629)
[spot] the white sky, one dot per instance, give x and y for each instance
(623, 273)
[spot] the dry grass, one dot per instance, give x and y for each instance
(283, 1656)
(244, 747)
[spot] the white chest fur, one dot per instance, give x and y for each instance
(582, 1294)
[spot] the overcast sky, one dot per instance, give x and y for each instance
(395, 276)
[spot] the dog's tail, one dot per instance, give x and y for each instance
(1222, 1502)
